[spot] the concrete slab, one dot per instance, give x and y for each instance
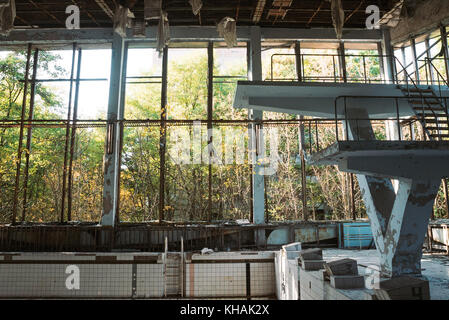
(312, 265)
(347, 282)
(343, 267)
(311, 254)
(435, 268)
(425, 159)
(318, 99)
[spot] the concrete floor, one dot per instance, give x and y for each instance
(434, 267)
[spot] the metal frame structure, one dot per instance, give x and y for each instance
(77, 39)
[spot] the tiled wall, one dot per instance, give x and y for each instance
(230, 275)
(127, 275)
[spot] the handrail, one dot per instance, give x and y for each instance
(346, 119)
(423, 99)
(335, 76)
(422, 54)
(430, 64)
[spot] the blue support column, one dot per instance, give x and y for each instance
(256, 138)
(399, 212)
(111, 164)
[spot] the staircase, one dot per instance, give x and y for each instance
(430, 111)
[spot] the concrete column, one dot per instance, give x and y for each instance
(392, 130)
(388, 59)
(111, 161)
(398, 217)
(445, 50)
(415, 60)
(256, 138)
(342, 61)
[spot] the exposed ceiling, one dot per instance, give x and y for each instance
(272, 13)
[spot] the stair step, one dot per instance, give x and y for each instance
(428, 108)
(434, 121)
(439, 135)
(418, 96)
(431, 114)
(417, 90)
(420, 102)
(436, 128)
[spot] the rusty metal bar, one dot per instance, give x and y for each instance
(72, 140)
(298, 60)
(122, 104)
(19, 149)
(29, 133)
(302, 149)
(210, 103)
(67, 134)
(352, 198)
(163, 134)
(342, 61)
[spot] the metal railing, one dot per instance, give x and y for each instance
(340, 74)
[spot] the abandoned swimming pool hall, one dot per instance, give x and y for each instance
(292, 150)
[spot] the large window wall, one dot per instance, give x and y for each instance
(62, 178)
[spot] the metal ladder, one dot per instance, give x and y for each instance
(430, 111)
(173, 271)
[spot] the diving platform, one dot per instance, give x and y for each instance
(399, 180)
(319, 99)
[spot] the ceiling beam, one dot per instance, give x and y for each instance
(191, 33)
(46, 12)
(258, 11)
(103, 5)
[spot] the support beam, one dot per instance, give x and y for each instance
(388, 59)
(73, 139)
(429, 56)
(342, 62)
(298, 61)
(445, 47)
(67, 135)
(112, 152)
(398, 218)
(29, 134)
(256, 139)
(415, 60)
(301, 139)
(163, 135)
(178, 33)
(210, 105)
(19, 148)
